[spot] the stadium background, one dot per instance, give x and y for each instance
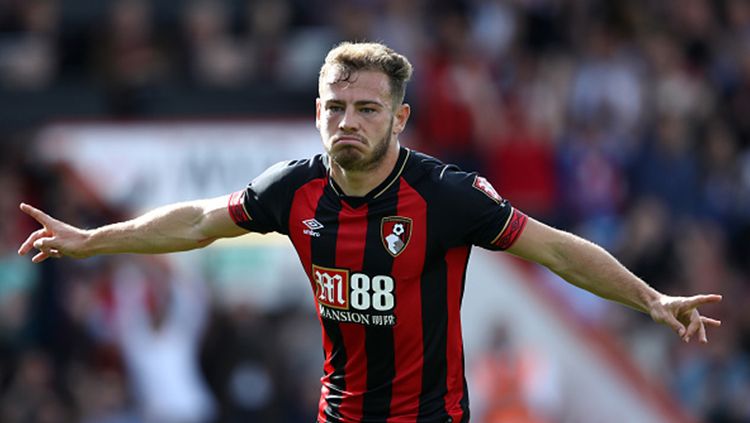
(627, 122)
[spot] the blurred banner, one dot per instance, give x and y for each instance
(139, 166)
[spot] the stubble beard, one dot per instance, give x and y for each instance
(351, 159)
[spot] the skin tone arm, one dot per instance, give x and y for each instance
(588, 266)
(176, 227)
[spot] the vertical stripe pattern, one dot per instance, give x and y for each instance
(434, 331)
(324, 252)
(311, 250)
(350, 254)
(408, 349)
(456, 259)
(379, 339)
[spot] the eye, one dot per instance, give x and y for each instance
(334, 108)
(367, 110)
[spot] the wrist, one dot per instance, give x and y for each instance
(88, 241)
(651, 300)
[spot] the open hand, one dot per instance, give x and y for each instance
(681, 314)
(54, 239)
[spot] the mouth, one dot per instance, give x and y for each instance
(348, 140)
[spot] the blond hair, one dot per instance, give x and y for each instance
(350, 58)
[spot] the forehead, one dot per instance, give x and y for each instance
(370, 85)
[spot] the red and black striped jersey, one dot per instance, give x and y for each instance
(387, 271)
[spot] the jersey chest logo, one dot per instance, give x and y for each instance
(395, 232)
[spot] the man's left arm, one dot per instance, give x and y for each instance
(589, 266)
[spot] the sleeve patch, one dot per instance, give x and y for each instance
(236, 208)
(511, 231)
(483, 185)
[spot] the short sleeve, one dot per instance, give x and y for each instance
(263, 206)
(479, 215)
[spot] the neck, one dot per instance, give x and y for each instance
(359, 183)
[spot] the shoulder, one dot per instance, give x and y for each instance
(448, 179)
(312, 166)
(292, 172)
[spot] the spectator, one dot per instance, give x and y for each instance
(29, 58)
(129, 57)
(213, 57)
(668, 153)
(159, 331)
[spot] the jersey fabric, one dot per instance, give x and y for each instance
(387, 271)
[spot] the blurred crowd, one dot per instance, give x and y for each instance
(627, 122)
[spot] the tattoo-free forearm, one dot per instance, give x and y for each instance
(177, 227)
(588, 266)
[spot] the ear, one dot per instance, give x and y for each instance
(317, 112)
(401, 117)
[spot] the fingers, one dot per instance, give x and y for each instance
(711, 322)
(698, 325)
(675, 324)
(37, 214)
(698, 300)
(36, 235)
(44, 255)
(697, 322)
(706, 321)
(702, 333)
(44, 243)
(695, 326)
(39, 239)
(49, 246)
(40, 257)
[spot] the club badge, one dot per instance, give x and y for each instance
(395, 232)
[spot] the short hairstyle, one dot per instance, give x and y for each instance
(350, 58)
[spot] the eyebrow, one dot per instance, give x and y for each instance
(357, 103)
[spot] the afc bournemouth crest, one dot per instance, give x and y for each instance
(395, 232)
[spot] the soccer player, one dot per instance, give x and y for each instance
(384, 234)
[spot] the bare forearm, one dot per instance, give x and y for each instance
(590, 267)
(167, 229)
(177, 227)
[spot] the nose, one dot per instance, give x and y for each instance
(348, 122)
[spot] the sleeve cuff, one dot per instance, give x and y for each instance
(236, 208)
(511, 231)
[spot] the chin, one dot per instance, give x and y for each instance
(348, 159)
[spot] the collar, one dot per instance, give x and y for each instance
(398, 169)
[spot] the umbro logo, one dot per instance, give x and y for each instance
(312, 224)
(312, 227)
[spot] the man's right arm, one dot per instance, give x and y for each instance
(171, 228)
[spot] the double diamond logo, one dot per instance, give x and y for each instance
(312, 227)
(313, 224)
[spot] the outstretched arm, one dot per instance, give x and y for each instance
(588, 266)
(176, 227)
